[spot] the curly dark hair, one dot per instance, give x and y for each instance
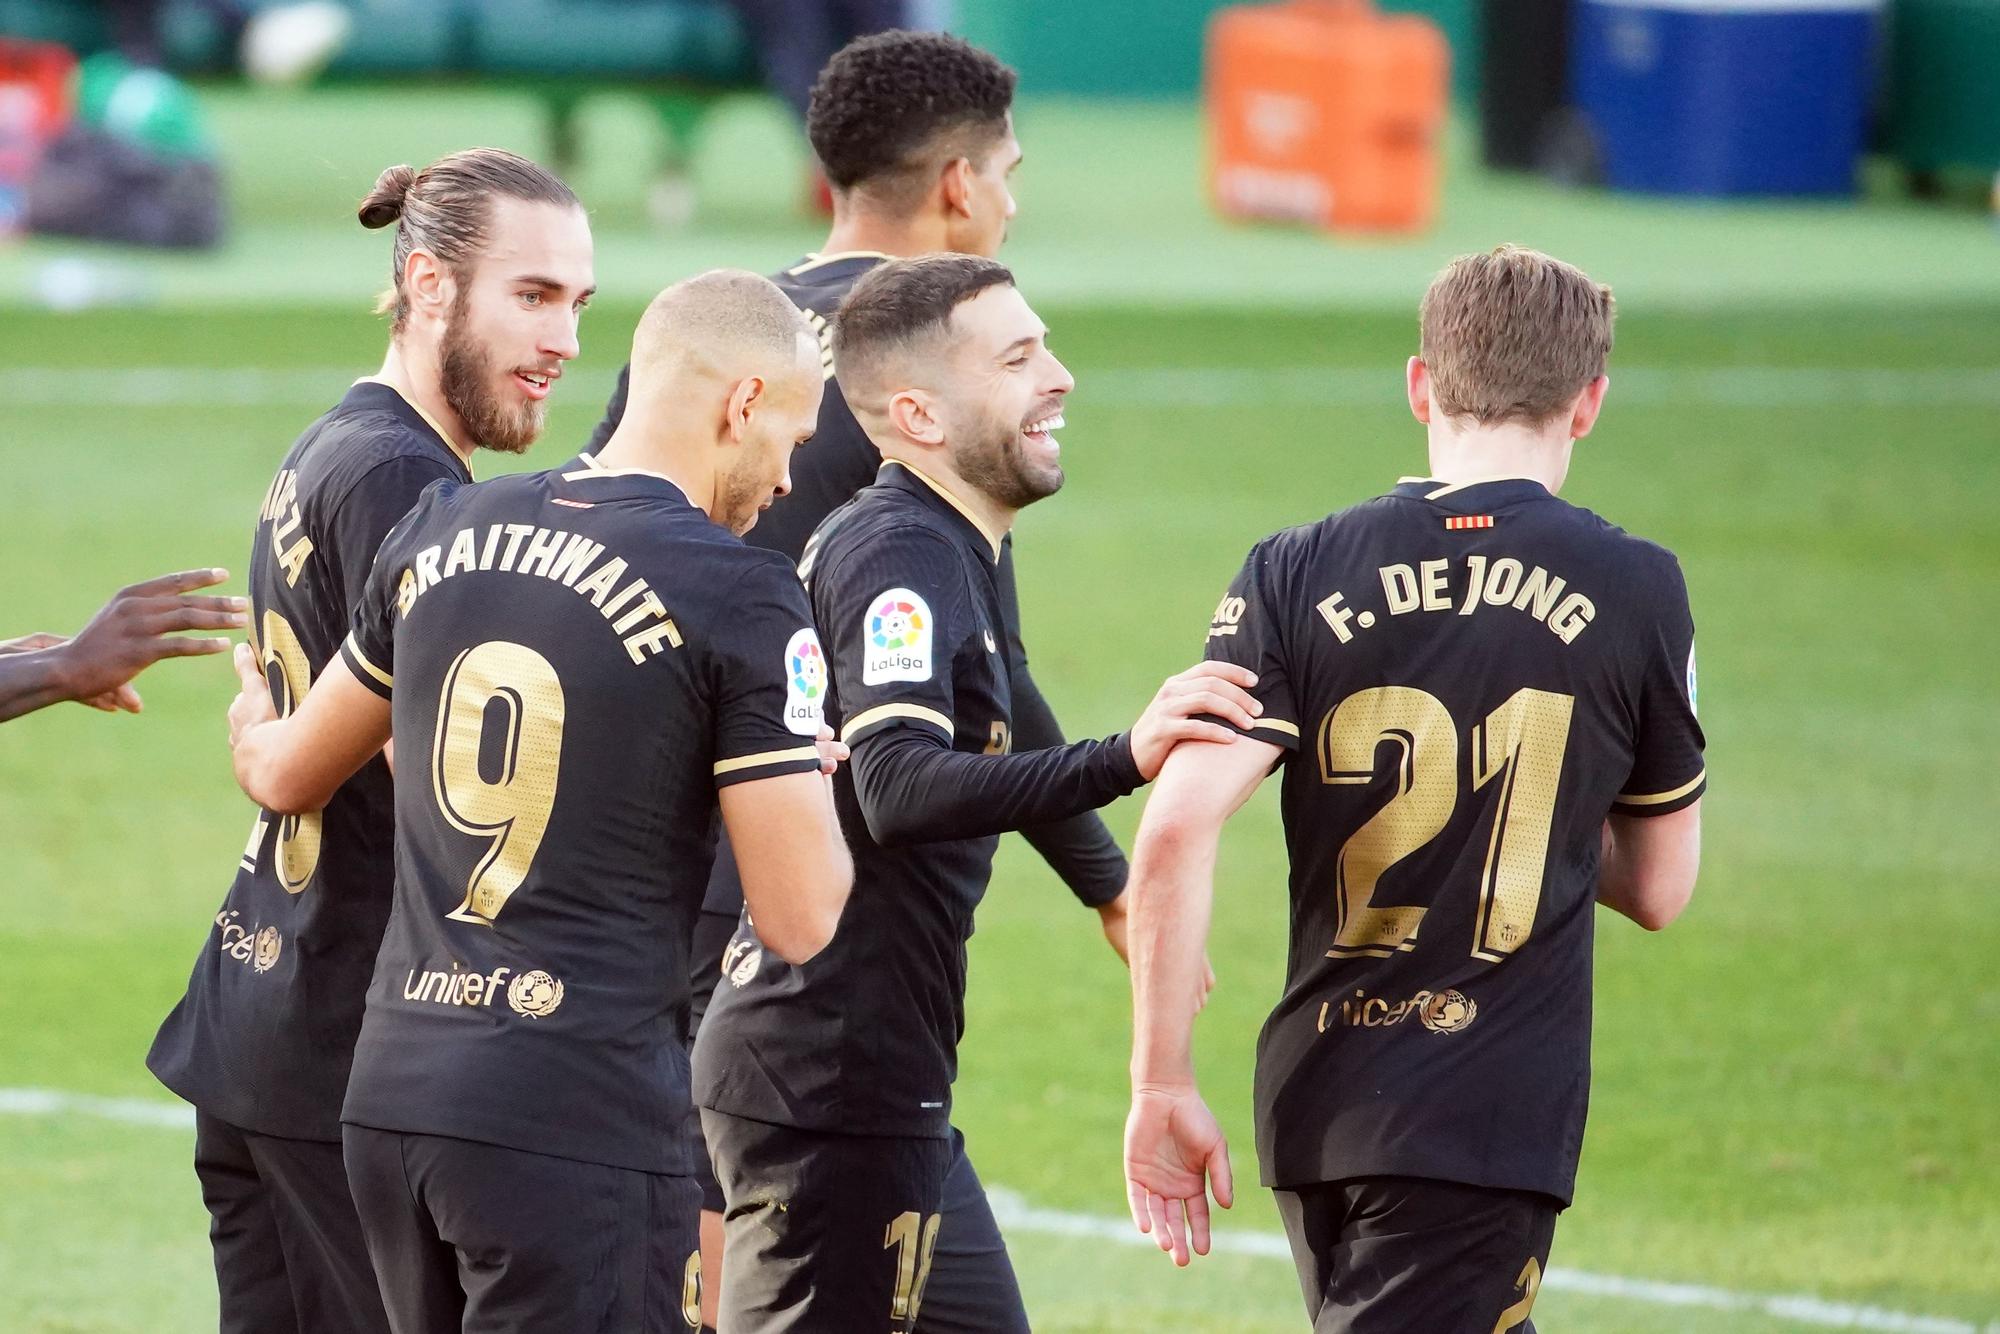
(896, 104)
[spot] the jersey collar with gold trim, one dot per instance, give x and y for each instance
(374, 392)
(588, 479)
(1473, 493)
(816, 261)
(908, 477)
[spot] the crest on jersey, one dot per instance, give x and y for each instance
(1448, 1012)
(805, 683)
(535, 994)
(898, 639)
(269, 943)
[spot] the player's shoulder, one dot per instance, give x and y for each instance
(370, 428)
(1608, 544)
(818, 283)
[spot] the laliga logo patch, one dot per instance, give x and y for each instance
(535, 994)
(898, 646)
(805, 684)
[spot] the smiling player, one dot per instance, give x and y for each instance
(491, 267)
(826, 1092)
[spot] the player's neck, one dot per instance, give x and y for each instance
(640, 445)
(418, 379)
(992, 518)
(864, 230)
(1479, 453)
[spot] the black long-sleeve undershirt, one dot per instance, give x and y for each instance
(914, 788)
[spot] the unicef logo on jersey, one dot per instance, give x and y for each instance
(269, 944)
(1448, 1012)
(535, 994)
(805, 684)
(898, 646)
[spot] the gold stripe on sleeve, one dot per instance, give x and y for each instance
(355, 650)
(1654, 799)
(1277, 725)
(868, 717)
(767, 757)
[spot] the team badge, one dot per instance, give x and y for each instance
(535, 994)
(898, 645)
(805, 683)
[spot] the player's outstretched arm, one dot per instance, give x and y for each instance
(914, 788)
(1650, 864)
(1174, 1149)
(794, 864)
(129, 634)
(293, 765)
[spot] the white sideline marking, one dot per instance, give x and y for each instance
(1015, 1213)
(1768, 387)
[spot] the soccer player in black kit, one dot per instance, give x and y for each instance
(1482, 698)
(826, 1091)
(579, 664)
(492, 265)
(915, 131)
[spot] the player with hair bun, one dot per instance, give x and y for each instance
(491, 268)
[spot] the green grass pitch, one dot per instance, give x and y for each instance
(1797, 1087)
(1794, 1086)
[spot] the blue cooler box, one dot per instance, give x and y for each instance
(1725, 97)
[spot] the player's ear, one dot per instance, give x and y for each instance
(1418, 377)
(1583, 412)
(745, 400)
(428, 284)
(957, 185)
(914, 416)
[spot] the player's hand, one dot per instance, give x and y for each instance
(832, 754)
(136, 629)
(252, 704)
(111, 701)
(1116, 918)
(1217, 688)
(1175, 1154)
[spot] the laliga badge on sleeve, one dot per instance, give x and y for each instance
(805, 684)
(897, 639)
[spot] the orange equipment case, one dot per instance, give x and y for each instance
(1325, 111)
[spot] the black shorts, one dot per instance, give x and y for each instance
(1386, 1255)
(284, 1232)
(479, 1238)
(824, 1233)
(972, 1288)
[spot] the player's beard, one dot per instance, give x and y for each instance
(741, 498)
(997, 466)
(468, 373)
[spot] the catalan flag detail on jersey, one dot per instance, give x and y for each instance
(1459, 710)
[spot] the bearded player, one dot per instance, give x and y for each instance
(1482, 699)
(916, 133)
(826, 1091)
(491, 269)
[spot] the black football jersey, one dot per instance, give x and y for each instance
(1467, 679)
(841, 459)
(263, 1037)
(863, 1038)
(576, 660)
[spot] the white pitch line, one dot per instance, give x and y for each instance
(1015, 1213)
(1747, 387)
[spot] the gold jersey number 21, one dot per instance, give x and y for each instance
(1518, 746)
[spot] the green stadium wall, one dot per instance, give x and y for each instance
(1150, 48)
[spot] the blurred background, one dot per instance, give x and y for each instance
(1227, 215)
